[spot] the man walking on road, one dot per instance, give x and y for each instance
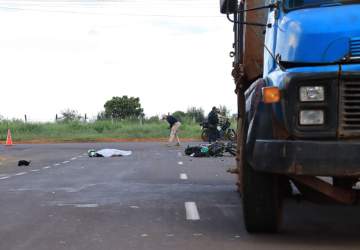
(174, 126)
(213, 121)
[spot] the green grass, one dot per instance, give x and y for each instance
(92, 131)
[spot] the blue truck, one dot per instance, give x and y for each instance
(297, 75)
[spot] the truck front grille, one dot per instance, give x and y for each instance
(355, 48)
(349, 109)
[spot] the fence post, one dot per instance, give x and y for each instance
(85, 118)
(25, 118)
(56, 117)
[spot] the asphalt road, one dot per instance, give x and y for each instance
(157, 198)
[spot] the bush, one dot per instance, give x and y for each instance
(70, 115)
(153, 119)
(123, 107)
(196, 114)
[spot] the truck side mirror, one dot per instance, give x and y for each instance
(228, 6)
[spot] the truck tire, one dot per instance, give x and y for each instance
(262, 201)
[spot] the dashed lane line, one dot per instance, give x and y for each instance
(47, 167)
(180, 163)
(65, 162)
(35, 170)
(21, 173)
(4, 177)
(192, 212)
(86, 205)
(183, 176)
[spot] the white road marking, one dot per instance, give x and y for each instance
(180, 163)
(144, 235)
(35, 170)
(21, 173)
(47, 167)
(86, 205)
(134, 207)
(170, 235)
(192, 212)
(77, 205)
(197, 234)
(183, 176)
(73, 159)
(57, 164)
(64, 162)
(5, 177)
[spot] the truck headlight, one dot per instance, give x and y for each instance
(312, 94)
(311, 117)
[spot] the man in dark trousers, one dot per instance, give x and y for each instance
(213, 121)
(174, 126)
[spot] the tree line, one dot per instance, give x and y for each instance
(124, 107)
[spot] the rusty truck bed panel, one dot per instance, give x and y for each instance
(254, 39)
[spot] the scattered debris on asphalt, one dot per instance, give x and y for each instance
(216, 149)
(24, 163)
(108, 152)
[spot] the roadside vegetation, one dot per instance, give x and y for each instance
(122, 118)
(93, 131)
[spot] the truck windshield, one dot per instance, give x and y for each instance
(296, 4)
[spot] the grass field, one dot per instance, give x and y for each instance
(93, 131)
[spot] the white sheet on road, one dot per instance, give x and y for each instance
(109, 152)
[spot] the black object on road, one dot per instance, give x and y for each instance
(23, 163)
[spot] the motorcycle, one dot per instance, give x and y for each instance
(224, 131)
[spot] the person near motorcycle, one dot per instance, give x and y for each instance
(213, 121)
(174, 125)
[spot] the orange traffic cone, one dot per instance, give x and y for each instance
(8, 139)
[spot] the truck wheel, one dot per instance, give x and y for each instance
(205, 135)
(262, 201)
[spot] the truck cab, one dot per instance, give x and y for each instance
(301, 118)
(315, 65)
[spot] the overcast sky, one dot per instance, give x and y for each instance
(55, 55)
